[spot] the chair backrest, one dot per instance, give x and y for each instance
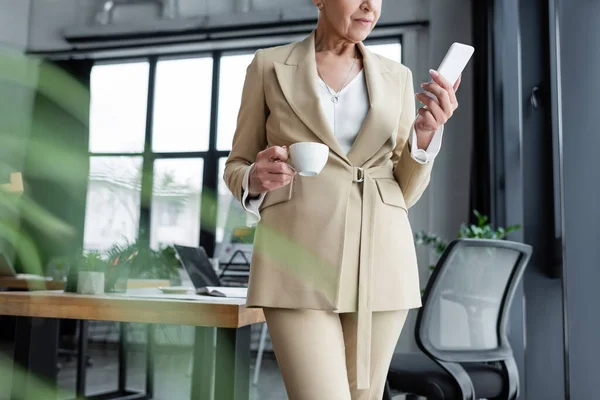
(467, 300)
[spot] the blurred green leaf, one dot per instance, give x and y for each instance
(24, 246)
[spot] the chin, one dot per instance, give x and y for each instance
(359, 35)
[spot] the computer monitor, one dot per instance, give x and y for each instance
(198, 266)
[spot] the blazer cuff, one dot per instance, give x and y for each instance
(251, 205)
(425, 156)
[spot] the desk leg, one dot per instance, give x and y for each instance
(204, 364)
(82, 349)
(232, 381)
(150, 361)
(35, 359)
(122, 356)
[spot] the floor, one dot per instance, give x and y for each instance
(172, 381)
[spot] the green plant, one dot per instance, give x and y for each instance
(480, 230)
(142, 262)
(91, 261)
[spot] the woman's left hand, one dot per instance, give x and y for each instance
(435, 113)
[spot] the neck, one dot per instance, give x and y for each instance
(327, 40)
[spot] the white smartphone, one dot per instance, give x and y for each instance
(454, 62)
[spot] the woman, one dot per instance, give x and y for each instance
(334, 264)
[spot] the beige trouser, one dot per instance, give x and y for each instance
(316, 352)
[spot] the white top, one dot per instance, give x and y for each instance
(345, 118)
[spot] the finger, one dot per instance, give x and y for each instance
(447, 101)
(278, 168)
(274, 153)
(272, 185)
(446, 85)
(434, 108)
(440, 80)
(429, 102)
(278, 178)
(457, 84)
(423, 111)
(442, 95)
(426, 120)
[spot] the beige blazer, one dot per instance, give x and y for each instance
(340, 241)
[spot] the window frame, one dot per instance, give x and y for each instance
(211, 157)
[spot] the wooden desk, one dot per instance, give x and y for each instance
(228, 319)
(33, 284)
(207, 311)
(30, 284)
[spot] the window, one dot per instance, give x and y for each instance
(181, 120)
(391, 50)
(113, 201)
(176, 196)
(118, 108)
(117, 130)
(231, 78)
(158, 148)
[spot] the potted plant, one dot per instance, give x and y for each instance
(119, 265)
(91, 273)
(138, 261)
(58, 268)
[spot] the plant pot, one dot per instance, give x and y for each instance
(89, 282)
(116, 280)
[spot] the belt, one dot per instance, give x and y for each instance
(365, 310)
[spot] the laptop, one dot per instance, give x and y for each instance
(203, 276)
(198, 266)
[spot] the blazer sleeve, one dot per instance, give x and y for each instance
(250, 134)
(412, 176)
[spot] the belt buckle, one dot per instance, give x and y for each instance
(360, 173)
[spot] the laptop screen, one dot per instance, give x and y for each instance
(198, 266)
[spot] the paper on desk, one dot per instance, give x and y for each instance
(157, 294)
(33, 276)
(221, 291)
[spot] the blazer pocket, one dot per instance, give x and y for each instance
(390, 193)
(277, 196)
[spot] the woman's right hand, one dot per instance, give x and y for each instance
(270, 171)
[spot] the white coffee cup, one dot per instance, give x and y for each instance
(308, 158)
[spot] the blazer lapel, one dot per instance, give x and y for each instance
(297, 79)
(381, 122)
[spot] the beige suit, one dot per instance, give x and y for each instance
(332, 242)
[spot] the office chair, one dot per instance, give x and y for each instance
(461, 328)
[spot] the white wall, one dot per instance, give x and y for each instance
(51, 19)
(14, 23)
